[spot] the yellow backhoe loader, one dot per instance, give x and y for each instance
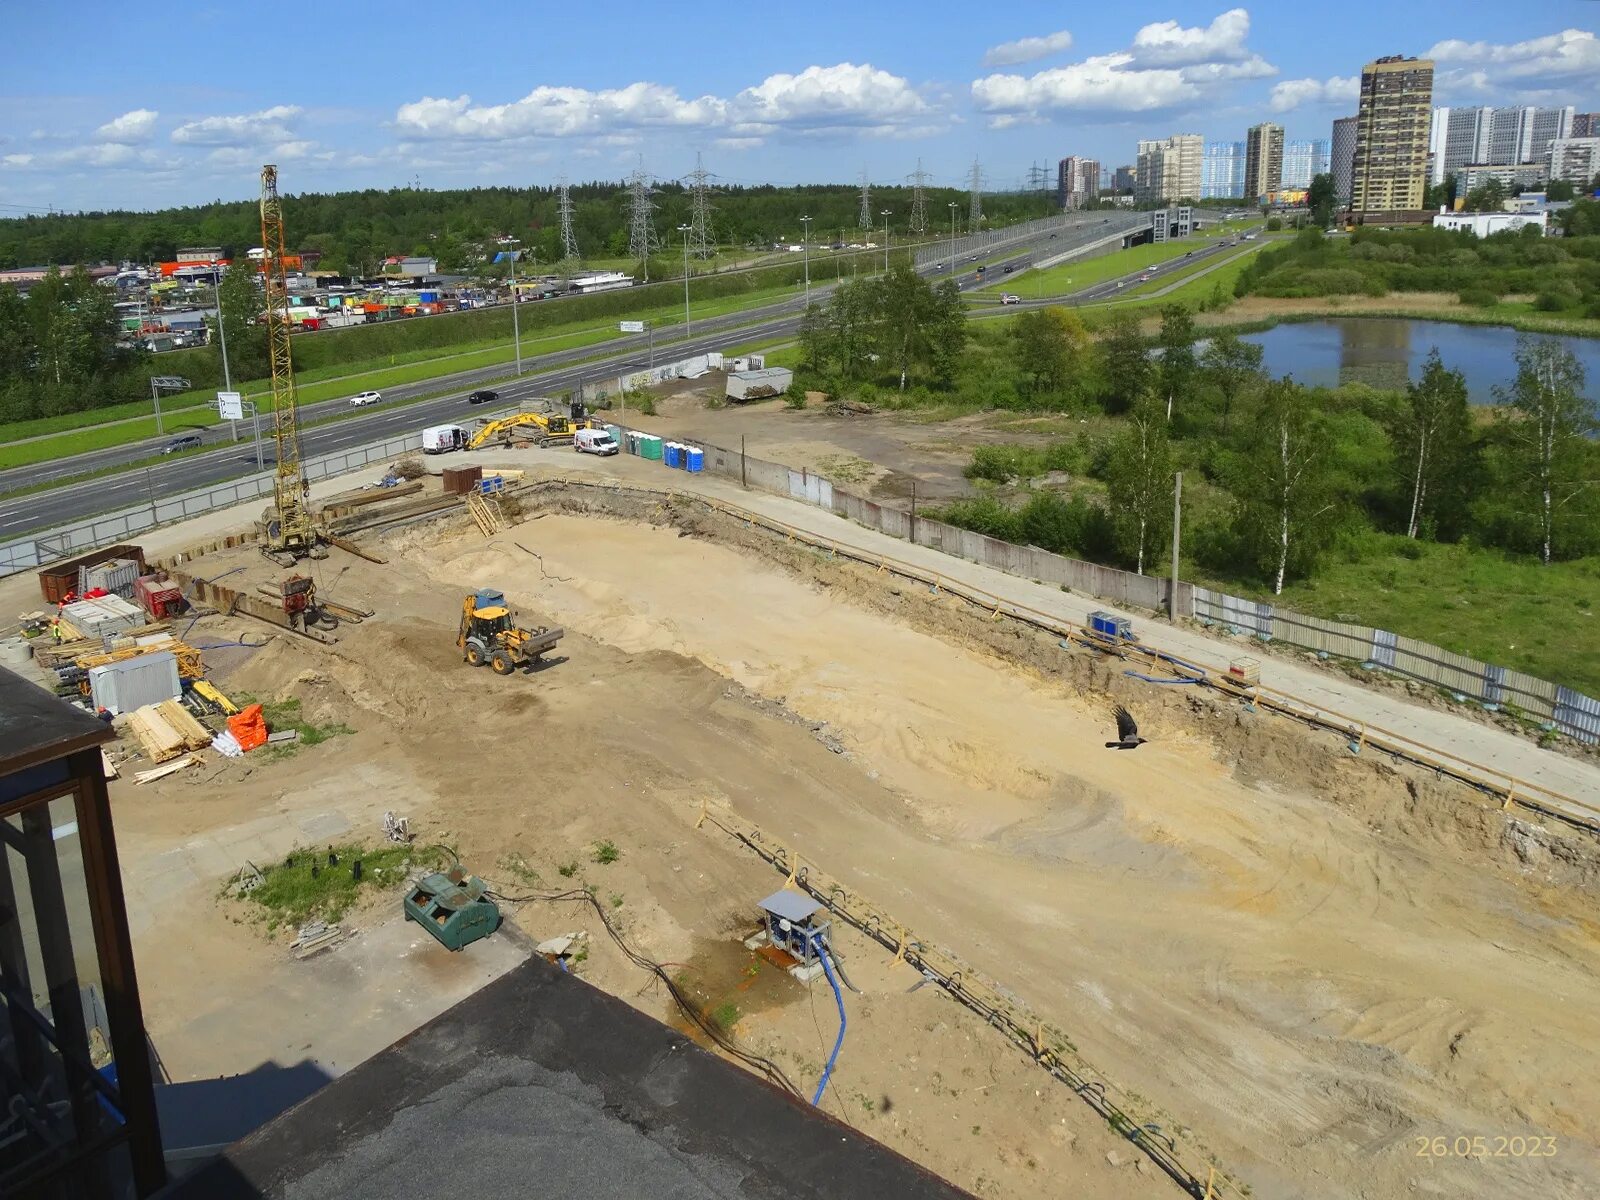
(490, 634)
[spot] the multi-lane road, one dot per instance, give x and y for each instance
(543, 376)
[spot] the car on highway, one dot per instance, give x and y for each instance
(366, 398)
(187, 441)
(1010, 298)
(1009, 268)
(483, 396)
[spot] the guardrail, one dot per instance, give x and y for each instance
(30, 553)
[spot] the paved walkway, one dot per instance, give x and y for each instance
(1444, 731)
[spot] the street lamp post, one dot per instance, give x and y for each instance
(805, 243)
(516, 323)
(953, 206)
(685, 230)
(885, 215)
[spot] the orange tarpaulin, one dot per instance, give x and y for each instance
(249, 727)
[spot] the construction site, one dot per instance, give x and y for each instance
(855, 824)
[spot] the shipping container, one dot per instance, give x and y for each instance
(60, 580)
(159, 597)
(121, 687)
(116, 576)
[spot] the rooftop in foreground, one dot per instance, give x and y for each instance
(540, 1084)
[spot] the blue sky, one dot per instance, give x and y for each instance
(125, 105)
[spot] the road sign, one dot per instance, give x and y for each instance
(230, 406)
(630, 326)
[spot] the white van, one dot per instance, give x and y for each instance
(594, 441)
(442, 439)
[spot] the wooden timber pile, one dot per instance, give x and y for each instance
(167, 730)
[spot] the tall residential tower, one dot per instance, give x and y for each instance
(1390, 171)
(1263, 160)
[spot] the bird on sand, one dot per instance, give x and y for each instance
(1127, 731)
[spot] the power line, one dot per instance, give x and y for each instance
(919, 204)
(975, 205)
(642, 240)
(702, 243)
(569, 240)
(866, 202)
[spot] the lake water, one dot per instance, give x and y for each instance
(1385, 352)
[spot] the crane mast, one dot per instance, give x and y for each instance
(290, 532)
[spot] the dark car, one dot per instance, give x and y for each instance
(187, 442)
(483, 396)
(1009, 268)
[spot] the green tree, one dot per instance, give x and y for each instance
(1431, 436)
(1126, 364)
(1232, 365)
(1139, 481)
(1559, 189)
(242, 305)
(1285, 480)
(1322, 200)
(1050, 345)
(918, 323)
(1489, 196)
(1175, 375)
(1549, 423)
(17, 349)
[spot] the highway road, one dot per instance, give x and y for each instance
(544, 376)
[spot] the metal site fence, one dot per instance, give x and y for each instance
(989, 240)
(28, 553)
(1497, 688)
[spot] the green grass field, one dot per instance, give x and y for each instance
(1077, 274)
(1541, 620)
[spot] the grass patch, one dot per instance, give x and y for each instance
(724, 1016)
(1079, 273)
(285, 714)
(325, 884)
(1544, 621)
(605, 853)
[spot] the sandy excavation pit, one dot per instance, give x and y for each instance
(1309, 963)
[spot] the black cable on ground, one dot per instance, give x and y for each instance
(765, 1067)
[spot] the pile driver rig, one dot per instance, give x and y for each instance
(288, 530)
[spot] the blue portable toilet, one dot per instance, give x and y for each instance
(669, 454)
(683, 457)
(697, 459)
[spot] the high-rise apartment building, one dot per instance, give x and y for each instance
(1585, 125)
(1222, 171)
(1303, 161)
(1390, 169)
(1342, 156)
(1077, 182)
(1263, 160)
(1576, 160)
(1124, 180)
(1504, 136)
(1169, 169)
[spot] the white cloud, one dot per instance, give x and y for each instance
(1099, 84)
(815, 100)
(1572, 53)
(1168, 44)
(738, 143)
(1023, 50)
(558, 112)
(821, 99)
(1254, 67)
(130, 127)
(247, 129)
(17, 160)
(1292, 93)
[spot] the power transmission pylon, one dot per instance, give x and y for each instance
(702, 243)
(1038, 178)
(641, 233)
(569, 240)
(866, 202)
(919, 203)
(975, 205)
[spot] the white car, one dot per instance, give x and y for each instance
(1010, 298)
(366, 398)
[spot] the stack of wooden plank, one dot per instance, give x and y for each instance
(189, 665)
(167, 730)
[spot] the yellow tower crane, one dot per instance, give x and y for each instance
(288, 530)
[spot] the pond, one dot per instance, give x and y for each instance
(1385, 352)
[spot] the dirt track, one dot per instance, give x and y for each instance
(1306, 960)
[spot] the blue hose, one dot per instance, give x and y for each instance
(827, 1071)
(1153, 679)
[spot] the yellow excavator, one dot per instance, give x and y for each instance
(490, 634)
(547, 429)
